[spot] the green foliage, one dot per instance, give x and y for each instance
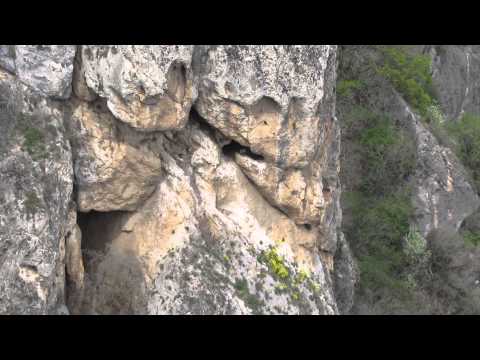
(32, 202)
(387, 153)
(410, 75)
(290, 280)
(275, 263)
(415, 244)
(380, 254)
(346, 88)
(471, 238)
(466, 136)
(380, 206)
(33, 140)
(251, 300)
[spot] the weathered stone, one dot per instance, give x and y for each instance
(46, 68)
(233, 212)
(114, 170)
(285, 116)
(455, 71)
(75, 272)
(444, 197)
(204, 198)
(265, 97)
(79, 83)
(147, 87)
(36, 182)
(7, 57)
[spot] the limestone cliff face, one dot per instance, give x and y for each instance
(172, 180)
(36, 184)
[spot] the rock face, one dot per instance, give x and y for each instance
(455, 76)
(195, 180)
(113, 169)
(36, 183)
(277, 102)
(45, 68)
(147, 87)
(193, 246)
(444, 197)
(205, 200)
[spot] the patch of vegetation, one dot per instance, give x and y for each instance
(346, 88)
(386, 152)
(380, 226)
(466, 136)
(34, 139)
(471, 238)
(275, 263)
(32, 202)
(410, 75)
(289, 280)
(380, 205)
(251, 300)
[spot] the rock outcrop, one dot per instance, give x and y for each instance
(455, 71)
(205, 180)
(114, 167)
(147, 87)
(36, 183)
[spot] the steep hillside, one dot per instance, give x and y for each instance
(406, 192)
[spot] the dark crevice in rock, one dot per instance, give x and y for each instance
(234, 147)
(204, 125)
(229, 146)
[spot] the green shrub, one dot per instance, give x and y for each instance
(32, 202)
(410, 75)
(346, 88)
(275, 263)
(251, 300)
(471, 238)
(387, 153)
(380, 205)
(415, 244)
(466, 136)
(33, 140)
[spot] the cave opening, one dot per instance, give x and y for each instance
(98, 230)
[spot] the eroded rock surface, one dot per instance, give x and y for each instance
(277, 101)
(195, 244)
(114, 167)
(231, 210)
(147, 87)
(36, 182)
(444, 196)
(45, 68)
(455, 71)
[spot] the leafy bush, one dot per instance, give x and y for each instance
(345, 88)
(471, 238)
(387, 152)
(34, 141)
(415, 244)
(466, 135)
(275, 263)
(410, 75)
(380, 206)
